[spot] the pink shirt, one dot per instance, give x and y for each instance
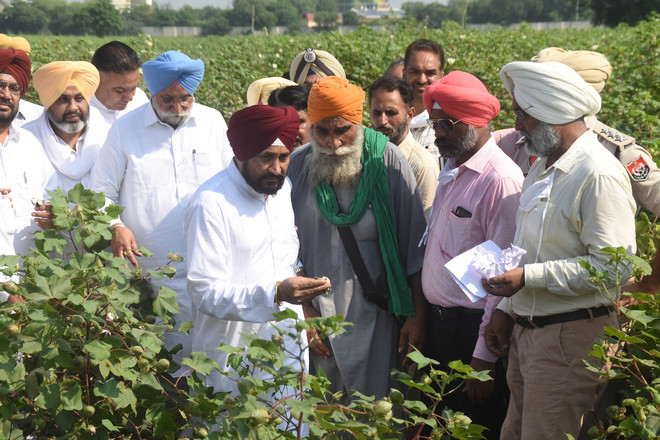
(488, 187)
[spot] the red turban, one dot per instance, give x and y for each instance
(17, 64)
(462, 96)
(254, 129)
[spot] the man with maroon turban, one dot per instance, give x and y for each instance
(476, 201)
(242, 243)
(26, 171)
(353, 189)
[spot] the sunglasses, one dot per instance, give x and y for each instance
(446, 124)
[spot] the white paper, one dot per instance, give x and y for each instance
(470, 281)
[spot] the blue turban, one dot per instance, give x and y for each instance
(171, 66)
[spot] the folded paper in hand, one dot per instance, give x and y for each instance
(485, 260)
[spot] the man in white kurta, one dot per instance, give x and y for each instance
(242, 243)
(65, 130)
(118, 92)
(24, 169)
(152, 163)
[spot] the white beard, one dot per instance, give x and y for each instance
(340, 167)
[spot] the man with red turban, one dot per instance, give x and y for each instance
(242, 243)
(27, 111)
(26, 170)
(360, 218)
(476, 201)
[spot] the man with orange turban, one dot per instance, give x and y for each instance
(476, 201)
(243, 214)
(27, 171)
(64, 129)
(27, 111)
(360, 218)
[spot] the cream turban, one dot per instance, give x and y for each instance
(333, 96)
(550, 92)
(319, 62)
(19, 43)
(52, 79)
(593, 67)
(260, 90)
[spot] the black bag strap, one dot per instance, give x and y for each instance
(354, 255)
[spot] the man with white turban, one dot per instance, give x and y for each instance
(476, 201)
(576, 201)
(65, 88)
(360, 218)
(308, 67)
(154, 159)
(259, 91)
(25, 171)
(242, 242)
(644, 174)
(27, 111)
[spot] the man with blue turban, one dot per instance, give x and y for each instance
(154, 159)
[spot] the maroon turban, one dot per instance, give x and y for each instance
(462, 96)
(17, 64)
(254, 129)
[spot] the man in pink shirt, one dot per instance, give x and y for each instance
(476, 201)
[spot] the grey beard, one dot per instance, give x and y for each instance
(68, 127)
(544, 140)
(172, 119)
(461, 146)
(342, 167)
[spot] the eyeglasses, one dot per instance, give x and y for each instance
(520, 113)
(14, 89)
(183, 100)
(446, 124)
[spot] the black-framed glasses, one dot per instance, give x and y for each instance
(446, 124)
(14, 88)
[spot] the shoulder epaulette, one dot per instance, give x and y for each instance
(617, 138)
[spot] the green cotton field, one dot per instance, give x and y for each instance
(631, 99)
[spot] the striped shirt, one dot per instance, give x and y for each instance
(590, 206)
(425, 135)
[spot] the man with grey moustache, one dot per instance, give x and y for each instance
(576, 200)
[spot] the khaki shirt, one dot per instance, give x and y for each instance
(641, 169)
(425, 168)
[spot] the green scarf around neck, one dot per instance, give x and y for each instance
(373, 190)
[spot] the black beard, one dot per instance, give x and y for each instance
(459, 147)
(398, 134)
(6, 122)
(266, 189)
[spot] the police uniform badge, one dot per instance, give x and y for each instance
(639, 170)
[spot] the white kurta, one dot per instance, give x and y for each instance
(239, 245)
(153, 170)
(27, 112)
(109, 116)
(26, 170)
(72, 166)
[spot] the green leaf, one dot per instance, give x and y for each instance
(98, 350)
(421, 360)
(199, 362)
(165, 303)
(162, 420)
(71, 397)
(109, 426)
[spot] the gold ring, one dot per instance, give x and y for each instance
(127, 253)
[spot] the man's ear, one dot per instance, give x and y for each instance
(411, 112)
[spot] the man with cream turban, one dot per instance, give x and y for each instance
(26, 170)
(27, 111)
(154, 159)
(576, 201)
(259, 91)
(352, 189)
(308, 67)
(64, 129)
(476, 201)
(243, 214)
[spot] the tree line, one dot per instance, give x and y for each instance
(101, 18)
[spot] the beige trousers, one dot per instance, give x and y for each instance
(551, 389)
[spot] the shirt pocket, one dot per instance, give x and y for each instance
(459, 235)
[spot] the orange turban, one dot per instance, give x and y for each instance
(52, 79)
(17, 64)
(19, 43)
(462, 96)
(334, 96)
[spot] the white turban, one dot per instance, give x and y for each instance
(550, 92)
